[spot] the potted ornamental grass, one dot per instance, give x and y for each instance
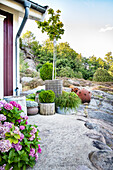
(67, 103)
(32, 107)
(47, 105)
(19, 141)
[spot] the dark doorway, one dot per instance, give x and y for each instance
(8, 53)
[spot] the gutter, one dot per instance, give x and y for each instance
(27, 5)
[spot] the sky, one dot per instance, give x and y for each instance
(88, 25)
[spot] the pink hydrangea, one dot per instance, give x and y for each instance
(36, 157)
(19, 120)
(25, 117)
(26, 122)
(17, 146)
(2, 117)
(19, 106)
(8, 106)
(5, 145)
(13, 103)
(22, 127)
(39, 149)
(21, 136)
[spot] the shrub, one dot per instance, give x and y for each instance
(101, 75)
(47, 96)
(67, 100)
(78, 75)
(65, 72)
(19, 142)
(31, 96)
(46, 71)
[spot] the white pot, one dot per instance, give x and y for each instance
(47, 108)
(66, 111)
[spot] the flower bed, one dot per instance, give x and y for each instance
(19, 142)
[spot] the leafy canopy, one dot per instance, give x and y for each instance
(53, 26)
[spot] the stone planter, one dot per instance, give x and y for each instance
(20, 100)
(32, 110)
(66, 111)
(47, 108)
(55, 86)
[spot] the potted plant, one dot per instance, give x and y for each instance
(67, 103)
(32, 107)
(47, 105)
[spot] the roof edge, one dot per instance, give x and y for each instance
(34, 5)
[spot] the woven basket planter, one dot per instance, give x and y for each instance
(54, 85)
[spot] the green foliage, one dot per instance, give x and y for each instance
(46, 71)
(28, 38)
(102, 75)
(47, 96)
(65, 72)
(31, 96)
(23, 65)
(53, 26)
(67, 100)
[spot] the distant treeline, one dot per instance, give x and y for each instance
(69, 63)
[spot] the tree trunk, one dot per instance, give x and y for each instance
(54, 59)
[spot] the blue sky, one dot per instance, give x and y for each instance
(88, 25)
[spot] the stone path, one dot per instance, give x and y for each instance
(64, 143)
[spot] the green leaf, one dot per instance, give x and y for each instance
(20, 164)
(27, 149)
(17, 136)
(24, 167)
(7, 167)
(5, 157)
(15, 140)
(16, 159)
(7, 134)
(11, 153)
(10, 139)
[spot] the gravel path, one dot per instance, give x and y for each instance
(64, 143)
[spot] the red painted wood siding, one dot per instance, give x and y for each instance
(8, 53)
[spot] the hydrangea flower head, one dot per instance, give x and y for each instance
(19, 106)
(13, 103)
(8, 106)
(2, 117)
(22, 127)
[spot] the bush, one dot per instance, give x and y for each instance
(67, 100)
(65, 72)
(101, 75)
(47, 96)
(46, 71)
(78, 75)
(19, 142)
(31, 96)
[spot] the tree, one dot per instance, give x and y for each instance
(54, 28)
(28, 38)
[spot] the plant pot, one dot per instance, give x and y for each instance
(32, 110)
(55, 86)
(47, 108)
(67, 111)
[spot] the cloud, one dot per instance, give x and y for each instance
(107, 28)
